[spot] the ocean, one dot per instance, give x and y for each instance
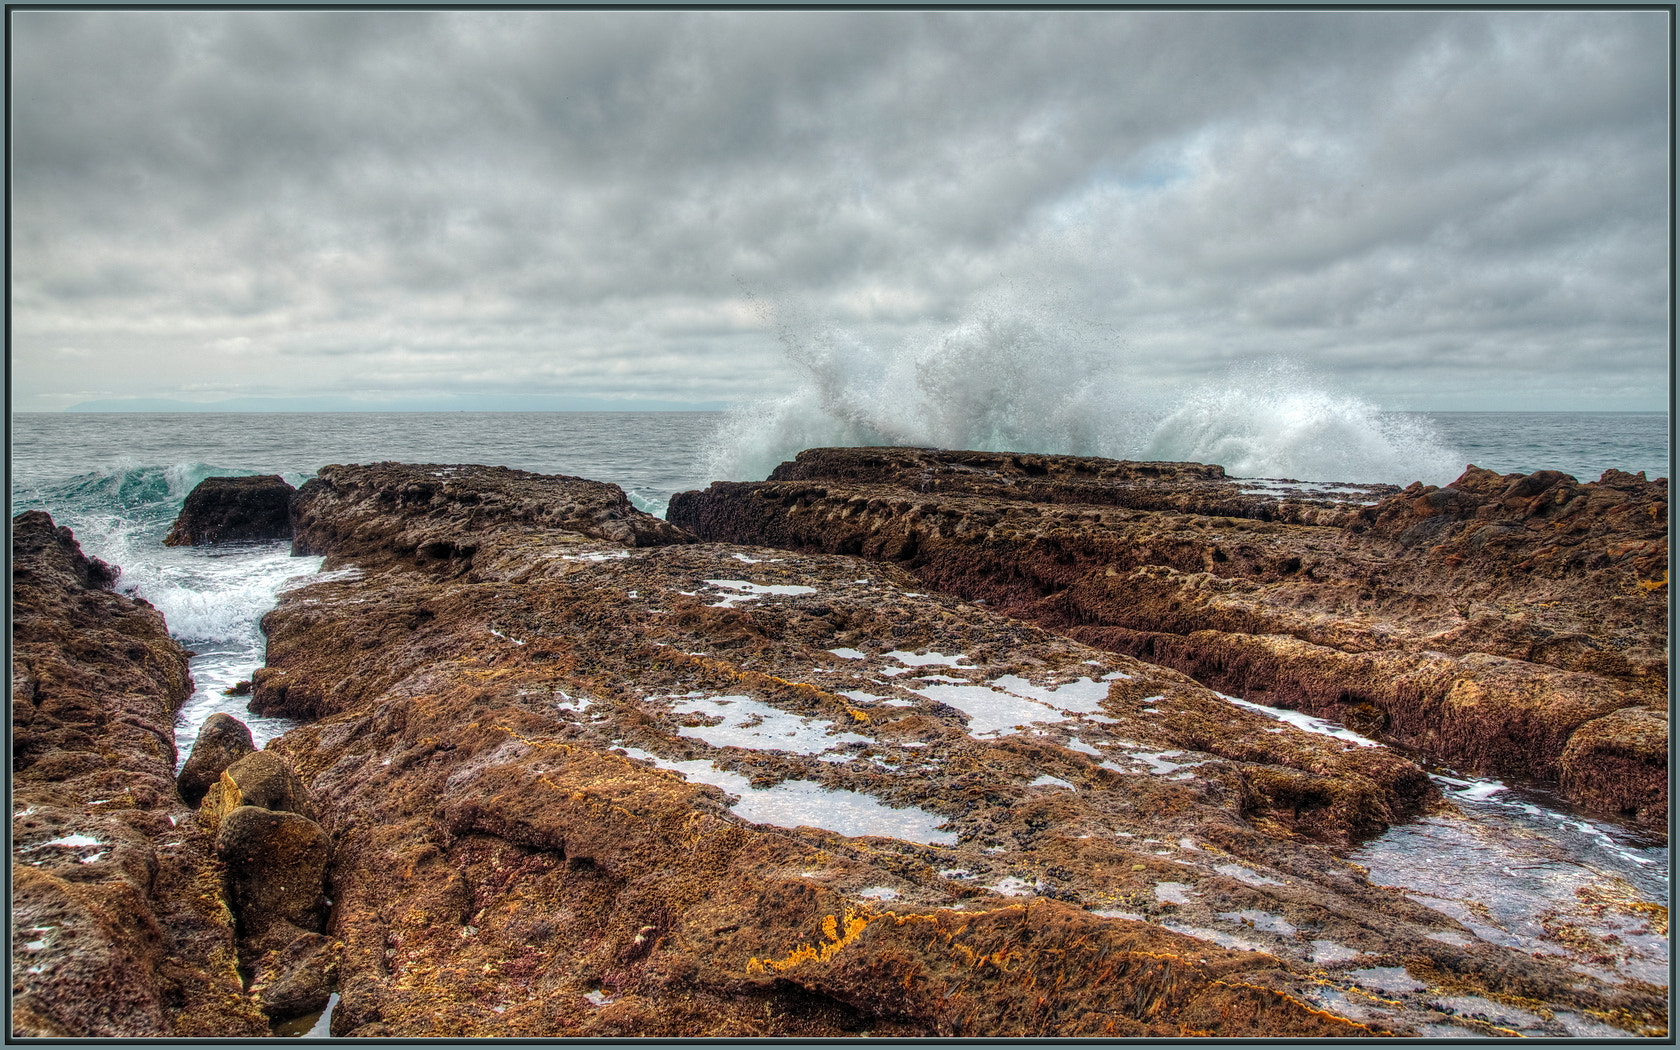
(118, 481)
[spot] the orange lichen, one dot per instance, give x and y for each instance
(838, 932)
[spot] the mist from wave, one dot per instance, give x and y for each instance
(1017, 379)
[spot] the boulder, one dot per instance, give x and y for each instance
(276, 864)
(260, 778)
(437, 516)
(222, 741)
(226, 510)
(298, 979)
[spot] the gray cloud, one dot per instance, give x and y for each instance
(1462, 209)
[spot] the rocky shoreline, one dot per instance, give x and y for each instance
(1507, 626)
(570, 770)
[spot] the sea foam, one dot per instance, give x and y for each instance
(1018, 379)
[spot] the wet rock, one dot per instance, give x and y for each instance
(1484, 624)
(119, 927)
(225, 510)
(276, 863)
(578, 787)
(222, 741)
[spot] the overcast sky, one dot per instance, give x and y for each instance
(1430, 209)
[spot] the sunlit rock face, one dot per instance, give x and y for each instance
(584, 776)
(1511, 626)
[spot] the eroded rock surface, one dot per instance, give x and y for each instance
(119, 927)
(226, 510)
(1505, 625)
(584, 778)
(438, 515)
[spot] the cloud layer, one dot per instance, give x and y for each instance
(1431, 209)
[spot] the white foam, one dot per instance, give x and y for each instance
(1046, 780)
(1321, 726)
(879, 893)
(849, 654)
(596, 556)
(1015, 373)
(1468, 790)
(1076, 744)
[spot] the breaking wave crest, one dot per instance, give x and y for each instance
(1011, 380)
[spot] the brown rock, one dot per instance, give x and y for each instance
(437, 516)
(262, 779)
(511, 861)
(222, 741)
(276, 864)
(225, 510)
(119, 928)
(1483, 624)
(298, 979)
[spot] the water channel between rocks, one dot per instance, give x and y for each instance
(1515, 868)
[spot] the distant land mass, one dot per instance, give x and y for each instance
(468, 403)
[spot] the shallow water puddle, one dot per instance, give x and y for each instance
(1517, 874)
(1010, 703)
(754, 591)
(1321, 726)
(755, 725)
(805, 803)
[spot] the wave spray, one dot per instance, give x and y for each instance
(1019, 380)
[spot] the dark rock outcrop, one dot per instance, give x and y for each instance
(932, 820)
(119, 926)
(1484, 624)
(222, 741)
(225, 510)
(438, 516)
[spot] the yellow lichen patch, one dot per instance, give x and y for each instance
(858, 716)
(838, 931)
(1619, 894)
(1647, 586)
(1645, 1023)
